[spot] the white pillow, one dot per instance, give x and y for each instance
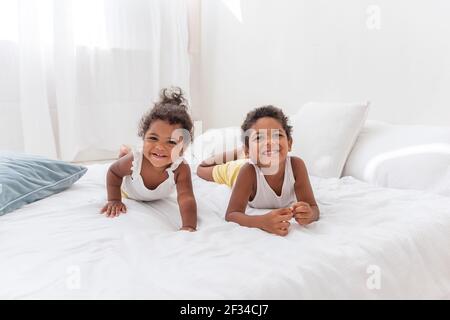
(211, 142)
(324, 134)
(401, 156)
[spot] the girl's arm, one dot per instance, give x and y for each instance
(275, 221)
(306, 210)
(204, 170)
(114, 177)
(186, 199)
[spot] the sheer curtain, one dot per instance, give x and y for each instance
(76, 75)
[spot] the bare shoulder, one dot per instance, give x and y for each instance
(298, 166)
(246, 180)
(122, 166)
(183, 171)
(243, 189)
(247, 173)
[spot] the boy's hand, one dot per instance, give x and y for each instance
(303, 213)
(114, 208)
(277, 221)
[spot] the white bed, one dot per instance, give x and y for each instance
(61, 247)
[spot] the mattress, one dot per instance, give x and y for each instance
(370, 243)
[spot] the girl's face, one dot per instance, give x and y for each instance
(268, 143)
(163, 143)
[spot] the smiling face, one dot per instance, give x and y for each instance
(163, 143)
(268, 144)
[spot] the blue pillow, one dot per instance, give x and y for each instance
(25, 179)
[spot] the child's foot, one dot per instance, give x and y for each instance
(124, 150)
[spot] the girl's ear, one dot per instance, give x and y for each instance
(183, 148)
(290, 144)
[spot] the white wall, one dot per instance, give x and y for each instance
(288, 52)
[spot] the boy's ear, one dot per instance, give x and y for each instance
(246, 151)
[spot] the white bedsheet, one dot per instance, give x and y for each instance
(61, 247)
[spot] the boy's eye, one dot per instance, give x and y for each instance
(151, 138)
(172, 142)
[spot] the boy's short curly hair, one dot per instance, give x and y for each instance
(171, 107)
(262, 112)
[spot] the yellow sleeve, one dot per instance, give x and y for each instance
(227, 173)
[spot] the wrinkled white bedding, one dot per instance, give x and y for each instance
(61, 247)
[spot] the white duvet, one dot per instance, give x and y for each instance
(370, 243)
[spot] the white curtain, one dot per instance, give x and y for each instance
(76, 75)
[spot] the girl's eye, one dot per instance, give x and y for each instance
(277, 135)
(151, 139)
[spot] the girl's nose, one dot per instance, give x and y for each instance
(272, 141)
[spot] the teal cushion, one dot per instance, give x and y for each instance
(25, 179)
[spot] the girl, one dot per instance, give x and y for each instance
(269, 179)
(153, 172)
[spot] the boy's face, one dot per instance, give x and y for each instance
(268, 143)
(163, 143)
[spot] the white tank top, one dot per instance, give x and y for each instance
(266, 198)
(134, 187)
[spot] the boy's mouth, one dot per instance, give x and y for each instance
(270, 153)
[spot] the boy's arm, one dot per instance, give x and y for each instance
(303, 189)
(186, 199)
(239, 199)
(275, 221)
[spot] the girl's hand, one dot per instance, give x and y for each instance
(114, 208)
(188, 228)
(303, 213)
(277, 221)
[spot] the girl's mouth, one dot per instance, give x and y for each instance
(158, 155)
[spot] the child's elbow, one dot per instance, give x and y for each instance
(186, 199)
(228, 217)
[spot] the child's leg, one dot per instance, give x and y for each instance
(124, 150)
(205, 172)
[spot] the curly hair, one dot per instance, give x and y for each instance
(262, 112)
(171, 107)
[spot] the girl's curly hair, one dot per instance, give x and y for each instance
(171, 107)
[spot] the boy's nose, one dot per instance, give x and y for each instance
(269, 144)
